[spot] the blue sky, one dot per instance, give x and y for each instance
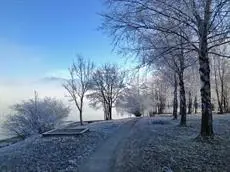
(41, 37)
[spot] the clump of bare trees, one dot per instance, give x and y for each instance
(107, 85)
(132, 100)
(146, 96)
(220, 76)
(174, 61)
(35, 116)
(158, 92)
(101, 86)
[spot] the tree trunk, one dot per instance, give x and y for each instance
(105, 111)
(182, 100)
(162, 103)
(157, 101)
(217, 89)
(189, 103)
(206, 122)
(226, 102)
(222, 94)
(81, 120)
(80, 110)
(221, 71)
(175, 102)
(110, 112)
(195, 104)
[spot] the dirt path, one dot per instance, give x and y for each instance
(102, 160)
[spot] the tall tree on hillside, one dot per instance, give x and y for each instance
(208, 21)
(107, 85)
(79, 83)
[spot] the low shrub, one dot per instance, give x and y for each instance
(35, 116)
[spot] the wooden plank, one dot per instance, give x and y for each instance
(65, 132)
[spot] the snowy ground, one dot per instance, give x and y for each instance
(152, 144)
(159, 144)
(55, 153)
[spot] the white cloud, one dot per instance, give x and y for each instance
(14, 93)
(59, 73)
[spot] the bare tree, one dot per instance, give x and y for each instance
(179, 61)
(106, 86)
(207, 21)
(79, 83)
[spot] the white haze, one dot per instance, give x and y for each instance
(15, 91)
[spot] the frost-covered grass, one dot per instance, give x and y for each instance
(164, 146)
(153, 144)
(63, 153)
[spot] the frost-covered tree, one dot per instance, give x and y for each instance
(107, 84)
(160, 95)
(131, 101)
(159, 88)
(79, 83)
(220, 72)
(192, 87)
(170, 78)
(35, 116)
(175, 60)
(208, 21)
(134, 99)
